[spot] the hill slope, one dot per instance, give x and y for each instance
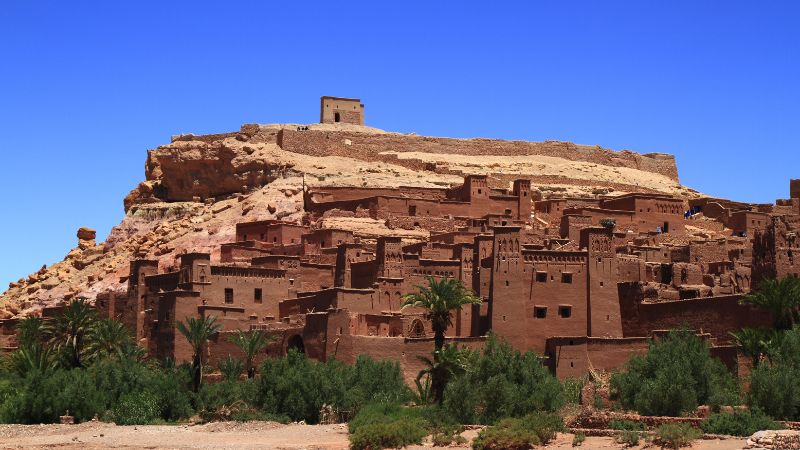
(197, 188)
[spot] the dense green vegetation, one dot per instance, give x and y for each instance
(675, 376)
(92, 368)
(739, 423)
(501, 382)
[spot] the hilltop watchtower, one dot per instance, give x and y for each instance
(341, 110)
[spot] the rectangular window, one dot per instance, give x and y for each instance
(541, 277)
(228, 295)
(566, 277)
(257, 295)
(565, 311)
(540, 312)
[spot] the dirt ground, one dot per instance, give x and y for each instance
(233, 435)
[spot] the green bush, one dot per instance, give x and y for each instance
(384, 413)
(775, 383)
(676, 435)
(578, 439)
(396, 434)
(675, 376)
(93, 391)
(136, 408)
(501, 382)
(227, 400)
(628, 438)
(626, 425)
(298, 387)
(523, 433)
(387, 425)
(740, 423)
(231, 368)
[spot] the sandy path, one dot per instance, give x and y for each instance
(241, 436)
(248, 435)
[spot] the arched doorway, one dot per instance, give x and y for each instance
(295, 342)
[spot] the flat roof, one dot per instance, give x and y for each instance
(340, 98)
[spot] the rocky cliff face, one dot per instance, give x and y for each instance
(197, 188)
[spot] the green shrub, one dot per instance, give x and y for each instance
(578, 439)
(524, 433)
(775, 383)
(387, 425)
(298, 387)
(675, 376)
(226, 400)
(628, 438)
(94, 391)
(626, 425)
(384, 413)
(396, 434)
(501, 382)
(231, 368)
(136, 408)
(740, 423)
(676, 435)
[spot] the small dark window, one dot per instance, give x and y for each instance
(566, 277)
(274, 239)
(540, 312)
(257, 295)
(506, 282)
(541, 277)
(228, 295)
(565, 311)
(245, 237)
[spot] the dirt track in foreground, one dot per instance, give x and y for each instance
(233, 435)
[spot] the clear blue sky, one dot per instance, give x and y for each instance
(86, 87)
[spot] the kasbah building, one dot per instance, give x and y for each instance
(556, 276)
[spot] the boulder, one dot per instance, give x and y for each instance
(86, 234)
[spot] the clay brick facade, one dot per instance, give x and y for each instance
(587, 296)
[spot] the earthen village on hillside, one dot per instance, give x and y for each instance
(316, 233)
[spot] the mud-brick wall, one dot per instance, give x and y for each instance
(368, 146)
(715, 315)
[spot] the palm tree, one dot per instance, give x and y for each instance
(68, 332)
(446, 364)
(29, 331)
(440, 299)
(198, 331)
(32, 358)
(250, 343)
(108, 338)
(754, 342)
(781, 298)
